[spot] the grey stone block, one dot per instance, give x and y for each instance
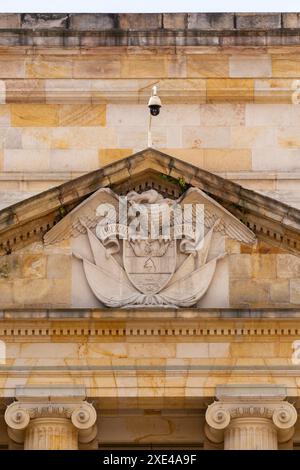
(10, 20)
(94, 22)
(44, 21)
(264, 21)
(211, 21)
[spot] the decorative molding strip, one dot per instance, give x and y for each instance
(46, 332)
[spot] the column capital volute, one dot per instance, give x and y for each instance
(82, 414)
(220, 413)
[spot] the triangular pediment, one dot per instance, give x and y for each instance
(27, 221)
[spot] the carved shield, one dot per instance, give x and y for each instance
(149, 264)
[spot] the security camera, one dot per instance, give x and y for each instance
(154, 103)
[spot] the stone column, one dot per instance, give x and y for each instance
(53, 426)
(249, 421)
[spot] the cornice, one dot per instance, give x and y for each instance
(148, 324)
(67, 30)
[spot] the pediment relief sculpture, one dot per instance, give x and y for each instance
(150, 251)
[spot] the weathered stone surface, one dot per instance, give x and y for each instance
(107, 156)
(93, 21)
(12, 68)
(263, 266)
(23, 115)
(280, 292)
(171, 21)
(32, 91)
(82, 115)
(295, 291)
(45, 20)
(49, 68)
(207, 65)
(2, 92)
(34, 266)
(222, 115)
(101, 68)
(210, 21)
(227, 160)
(254, 21)
(291, 20)
(286, 65)
(249, 292)
(10, 20)
(140, 21)
(273, 90)
(230, 89)
(250, 66)
(205, 137)
(143, 67)
(41, 292)
(240, 266)
(288, 266)
(73, 160)
(6, 293)
(25, 160)
(58, 266)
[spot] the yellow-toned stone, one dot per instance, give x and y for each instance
(295, 291)
(42, 292)
(100, 67)
(207, 65)
(231, 90)
(286, 65)
(6, 293)
(5, 115)
(58, 266)
(227, 160)
(24, 115)
(288, 266)
(82, 115)
(12, 68)
(288, 137)
(144, 67)
(190, 155)
(151, 350)
(273, 90)
(249, 292)
(240, 266)
(34, 265)
(49, 69)
(107, 156)
(253, 349)
(263, 266)
(280, 291)
(232, 246)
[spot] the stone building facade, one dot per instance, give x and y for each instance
(82, 367)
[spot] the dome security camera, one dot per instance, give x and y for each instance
(154, 103)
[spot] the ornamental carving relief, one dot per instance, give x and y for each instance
(150, 251)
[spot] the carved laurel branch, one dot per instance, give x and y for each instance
(83, 417)
(218, 416)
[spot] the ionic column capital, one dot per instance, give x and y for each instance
(82, 415)
(268, 413)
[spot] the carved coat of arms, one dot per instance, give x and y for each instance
(151, 252)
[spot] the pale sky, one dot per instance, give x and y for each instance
(146, 6)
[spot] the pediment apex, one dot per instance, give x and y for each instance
(272, 221)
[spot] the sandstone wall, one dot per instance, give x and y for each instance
(74, 90)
